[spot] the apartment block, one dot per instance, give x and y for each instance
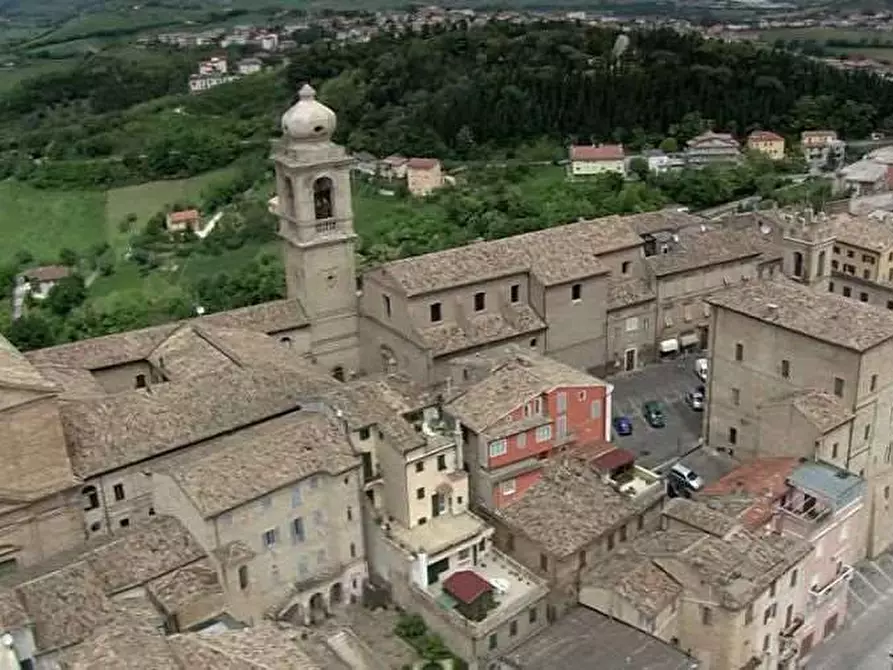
(524, 410)
(802, 373)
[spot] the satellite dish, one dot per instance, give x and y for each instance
(621, 44)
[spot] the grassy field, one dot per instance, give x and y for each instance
(43, 222)
(879, 54)
(9, 77)
(144, 200)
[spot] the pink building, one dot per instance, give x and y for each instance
(814, 501)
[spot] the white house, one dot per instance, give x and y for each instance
(591, 160)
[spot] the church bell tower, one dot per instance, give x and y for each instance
(316, 227)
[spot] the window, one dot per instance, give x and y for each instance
(867, 259)
(266, 503)
(521, 440)
(624, 267)
(798, 264)
(576, 292)
(420, 493)
(789, 616)
(821, 263)
(515, 293)
(493, 641)
(595, 409)
(507, 487)
(835, 265)
(353, 550)
(873, 385)
(119, 491)
(886, 493)
(480, 301)
(866, 433)
(838, 387)
(772, 588)
(866, 274)
(296, 497)
(435, 312)
(581, 396)
(350, 513)
(622, 532)
(243, 577)
(834, 448)
(441, 462)
(706, 616)
(497, 448)
(322, 198)
(836, 250)
(124, 523)
(91, 497)
(610, 542)
(270, 537)
(890, 304)
(748, 614)
(785, 368)
(544, 433)
(847, 292)
(849, 253)
(513, 628)
(151, 511)
(640, 522)
(765, 643)
(463, 555)
(544, 562)
(532, 342)
(733, 436)
(632, 324)
(297, 530)
(863, 297)
(830, 287)
(768, 614)
(387, 305)
(422, 521)
(561, 401)
(736, 396)
(364, 434)
(739, 352)
(420, 466)
(793, 578)
(582, 559)
(140, 381)
(531, 615)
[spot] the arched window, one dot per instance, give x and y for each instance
(798, 264)
(288, 207)
(243, 577)
(322, 198)
(285, 340)
(821, 263)
(388, 361)
(91, 497)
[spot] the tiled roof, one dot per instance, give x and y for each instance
(12, 613)
(823, 316)
(764, 136)
(833, 485)
(17, 372)
(698, 248)
(713, 138)
(47, 273)
(512, 383)
(123, 644)
(72, 382)
(636, 579)
(756, 477)
(866, 232)
(480, 329)
(466, 586)
(821, 408)
(624, 292)
(176, 590)
(569, 508)
(262, 647)
(554, 255)
(222, 474)
(603, 152)
(422, 163)
(136, 345)
(699, 516)
(647, 223)
(183, 216)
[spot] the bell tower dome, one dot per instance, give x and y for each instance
(316, 227)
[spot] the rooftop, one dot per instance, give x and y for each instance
(520, 377)
(422, 163)
(569, 508)
(822, 409)
(554, 255)
(864, 170)
(822, 316)
(222, 473)
(636, 579)
(831, 484)
(510, 322)
(648, 223)
(603, 152)
(625, 292)
(765, 136)
(713, 138)
(266, 646)
(18, 373)
(47, 273)
(702, 246)
(749, 492)
(439, 533)
(866, 232)
(582, 635)
(699, 516)
(466, 586)
(183, 216)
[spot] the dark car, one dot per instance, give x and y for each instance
(654, 414)
(622, 425)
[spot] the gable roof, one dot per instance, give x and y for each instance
(602, 152)
(764, 136)
(17, 372)
(466, 586)
(422, 163)
(695, 248)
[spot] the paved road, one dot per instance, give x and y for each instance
(668, 383)
(865, 642)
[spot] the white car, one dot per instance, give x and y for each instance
(702, 366)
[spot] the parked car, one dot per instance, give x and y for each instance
(654, 414)
(685, 478)
(695, 399)
(622, 425)
(702, 367)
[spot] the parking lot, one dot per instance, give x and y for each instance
(666, 382)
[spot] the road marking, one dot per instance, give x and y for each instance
(865, 579)
(878, 568)
(859, 598)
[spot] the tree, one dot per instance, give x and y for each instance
(66, 294)
(669, 145)
(68, 257)
(32, 331)
(639, 167)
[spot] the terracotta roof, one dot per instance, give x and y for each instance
(183, 216)
(262, 647)
(603, 152)
(817, 137)
(824, 316)
(757, 477)
(698, 248)
(47, 273)
(623, 292)
(554, 255)
(634, 578)
(466, 586)
(764, 136)
(177, 590)
(222, 474)
(647, 223)
(71, 381)
(124, 644)
(422, 163)
(517, 379)
(480, 329)
(711, 137)
(569, 508)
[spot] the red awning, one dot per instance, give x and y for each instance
(466, 586)
(616, 458)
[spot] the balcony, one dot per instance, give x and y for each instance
(803, 515)
(820, 595)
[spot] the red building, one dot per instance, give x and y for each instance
(528, 408)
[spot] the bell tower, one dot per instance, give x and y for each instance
(316, 228)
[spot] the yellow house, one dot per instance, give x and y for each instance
(768, 143)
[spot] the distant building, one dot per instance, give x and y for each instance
(215, 65)
(865, 177)
(712, 147)
(423, 175)
(393, 167)
(591, 160)
(249, 66)
(657, 160)
(177, 222)
(767, 143)
(203, 82)
(818, 145)
(269, 41)
(41, 280)
(365, 163)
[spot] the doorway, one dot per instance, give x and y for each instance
(629, 360)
